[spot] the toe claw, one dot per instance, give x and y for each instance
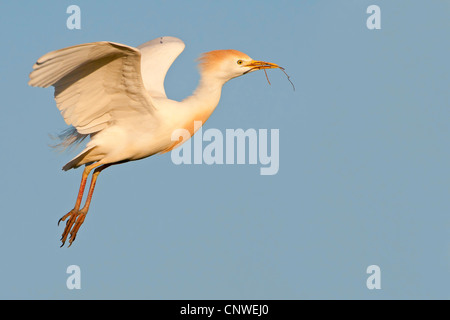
(76, 219)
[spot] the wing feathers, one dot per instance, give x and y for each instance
(93, 82)
(157, 57)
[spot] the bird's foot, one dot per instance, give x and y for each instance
(76, 219)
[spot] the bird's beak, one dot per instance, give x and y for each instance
(258, 65)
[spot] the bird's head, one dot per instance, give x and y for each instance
(229, 64)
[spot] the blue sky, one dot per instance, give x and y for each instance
(363, 176)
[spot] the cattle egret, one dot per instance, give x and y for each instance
(114, 94)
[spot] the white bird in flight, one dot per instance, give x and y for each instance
(114, 94)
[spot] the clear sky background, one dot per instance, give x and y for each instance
(364, 158)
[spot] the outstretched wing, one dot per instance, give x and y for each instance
(96, 84)
(157, 57)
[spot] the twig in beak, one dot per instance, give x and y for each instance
(267, 77)
(289, 78)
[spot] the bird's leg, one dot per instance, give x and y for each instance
(82, 213)
(72, 214)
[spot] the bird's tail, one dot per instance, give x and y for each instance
(80, 159)
(71, 139)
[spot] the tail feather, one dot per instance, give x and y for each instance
(79, 160)
(71, 139)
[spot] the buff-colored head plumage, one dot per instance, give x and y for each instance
(210, 61)
(224, 65)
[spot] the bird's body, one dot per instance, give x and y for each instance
(114, 94)
(147, 134)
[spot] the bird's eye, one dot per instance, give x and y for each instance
(239, 62)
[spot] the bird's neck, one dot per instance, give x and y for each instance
(204, 100)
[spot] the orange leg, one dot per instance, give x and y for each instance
(72, 214)
(82, 213)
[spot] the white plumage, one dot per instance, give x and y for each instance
(114, 94)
